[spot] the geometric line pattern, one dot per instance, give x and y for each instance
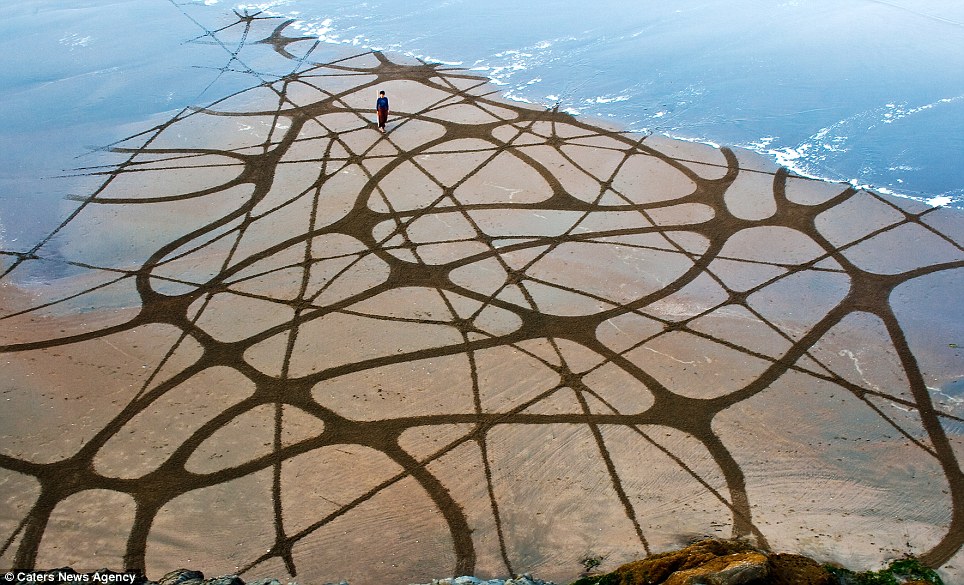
(349, 325)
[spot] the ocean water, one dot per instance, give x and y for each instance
(866, 91)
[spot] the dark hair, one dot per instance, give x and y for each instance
(381, 93)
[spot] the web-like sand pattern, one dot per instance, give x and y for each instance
(471, 346)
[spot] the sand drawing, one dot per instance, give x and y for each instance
(496, 339)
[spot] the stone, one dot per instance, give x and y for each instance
(736, 569)
(225, 580)
(788, 569)
(182, 577)
(659, 567)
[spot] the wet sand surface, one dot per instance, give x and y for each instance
(497, 340)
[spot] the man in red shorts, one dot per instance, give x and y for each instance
(381, 108)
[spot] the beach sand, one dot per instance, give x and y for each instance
(499, 339)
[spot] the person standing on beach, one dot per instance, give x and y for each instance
(381, 108)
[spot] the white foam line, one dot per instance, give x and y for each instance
(515, 61)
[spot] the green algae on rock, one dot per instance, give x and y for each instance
(909, 571)
(737, 562)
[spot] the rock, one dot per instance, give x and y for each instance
(225, 580)
(265, 581)
(659, 567)
(787, 569)
(524, 579)
(735, 569)
(717, 562)
(182, 577)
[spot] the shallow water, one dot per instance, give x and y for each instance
(870, 92)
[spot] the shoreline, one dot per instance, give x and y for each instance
(327, 31)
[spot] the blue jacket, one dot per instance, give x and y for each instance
(381, 103)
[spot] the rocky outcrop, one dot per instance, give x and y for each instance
(736, 569)
(524, 579)
(716, 562)
(736, 562)
(707, 562)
